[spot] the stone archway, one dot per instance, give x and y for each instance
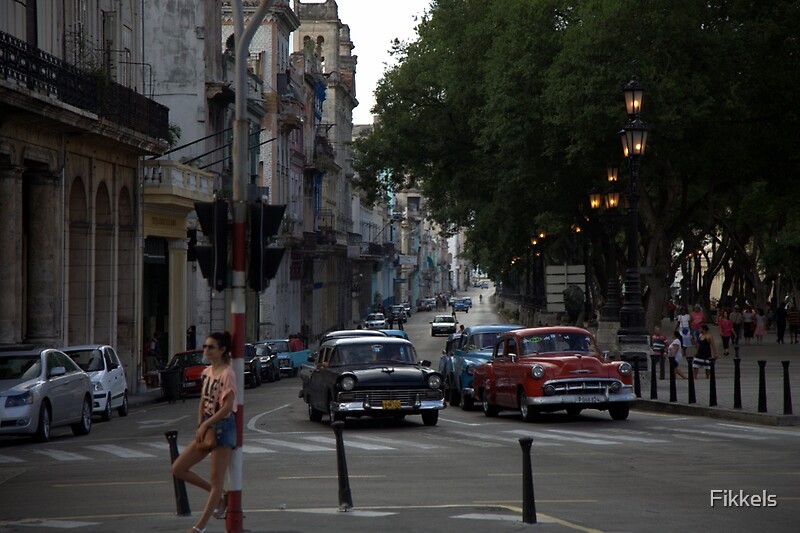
(103, 267)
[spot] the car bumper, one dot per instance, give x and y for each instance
(443, 331)
(583, 399)
(358, 407)
(19, 420)
(99, 402)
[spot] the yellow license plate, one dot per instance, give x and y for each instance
(391, 404)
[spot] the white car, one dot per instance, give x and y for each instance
(110, 388)
(443, 325)
(40, 390)
(375, 321)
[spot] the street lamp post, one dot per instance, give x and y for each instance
(634, 141)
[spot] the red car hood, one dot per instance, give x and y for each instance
(574, 365)
(193, 372)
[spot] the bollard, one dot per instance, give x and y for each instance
(737, 382)
(736, 349)
(661, 364)
(181, 499)
(345, 498)
(653, 382)
(673, 393)
(692, 393)
(528, 500)
(637, 386)
(712, 385)
(762, 386)
(787, 389)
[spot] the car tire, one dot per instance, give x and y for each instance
(527, 412)
(105, 416)
(122, 410)
(84, 426)
(43, 429)
(619, 411)
(433, 334)
(467, 402)
(488, 409)
(315, 415)
(430, 418)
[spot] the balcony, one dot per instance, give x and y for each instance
(51, 78)
(176, 184)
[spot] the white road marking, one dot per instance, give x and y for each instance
(767, 431)
(156, 445)
(458, 422)
(539, 435)
(614, 437)
(59, 455)
(55, 524)
(9, 459)
(302, 446)
(156, 423)
(505, 440)
(119, 451)
(350, 443)
(404, 444)
(255, 449)
(251, 424)
(716, 434)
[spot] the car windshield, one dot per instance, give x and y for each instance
(375, 316)
(89, 360)
(189, 359)
(23, 367)
(279, 346)
(483, 341)
(443, 319)
(359, 354)
(557, 342)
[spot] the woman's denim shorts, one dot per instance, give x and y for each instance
(226, 431)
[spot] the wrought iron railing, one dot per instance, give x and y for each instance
(46, 74)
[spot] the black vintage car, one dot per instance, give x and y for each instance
(371, 376)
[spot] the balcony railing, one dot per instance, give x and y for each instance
(48, 75)
(178, 179)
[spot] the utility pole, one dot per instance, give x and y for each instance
(234, 522)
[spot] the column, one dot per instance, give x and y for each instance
(11, 244)
(176, 263)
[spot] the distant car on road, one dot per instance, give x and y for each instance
(399, 333)
(191, 364)
(371, 376)
(426, 304)
(105, 370)
(289, 361)
(375, 321)
(484, 285)
(460, 304)
(270, 371)
(42, 389)
(398, 312)
(443, 325)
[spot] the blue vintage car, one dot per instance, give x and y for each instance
(472, 349)
(289, 362)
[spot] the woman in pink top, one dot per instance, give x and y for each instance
(761, 326)
(698, 318)
(725, 330)
(215, 412)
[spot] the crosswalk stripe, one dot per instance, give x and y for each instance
(156, 445)
(715, 434)
(9, 459)
(403, 444)
(302, 446)
(350, 443)
(500, 440)
(539, 435)
(613, 437)
(766, 431)
(255, 449)
(119, 451)
(59, 455)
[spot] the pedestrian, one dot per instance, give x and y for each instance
(793, 319)
(191, 337)
(760, 328)
(658, 343)
(461, 329)
(725, 331)
(706, 350)
(390, 320)
(748, 323)
(671, 309)
(780, 321)
(738, 319)
(682, 327)
(698, 318)
(675, 354)
(216, 413)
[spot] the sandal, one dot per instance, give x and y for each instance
(198, 530)
(222, 509)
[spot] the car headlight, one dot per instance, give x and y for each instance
(434, 381)
(537, 371)
(625, 368)
(470, 369)
(97, 386)
(26, 398)
(347, 383)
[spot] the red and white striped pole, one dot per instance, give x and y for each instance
(234, 522)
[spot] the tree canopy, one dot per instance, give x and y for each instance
(506, 113)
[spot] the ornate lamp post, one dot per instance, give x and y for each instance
(609, 200)
(634, 141)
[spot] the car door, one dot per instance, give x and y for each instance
(314, 390)
(116, 376)
(504, 366)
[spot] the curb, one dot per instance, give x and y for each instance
(764, 419)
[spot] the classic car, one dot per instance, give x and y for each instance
(252, 366)
(546, 369)
(398, 312)
(426, 304)
(42, 389)
(270, 371)
(371, 376)
(399, 333)
(473, 349)
(443, 325)
(289, 361)
(105, 370)
(460, 304)
(375, 321)
(191, 364)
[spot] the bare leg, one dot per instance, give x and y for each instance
(187, 459)
(220, 460)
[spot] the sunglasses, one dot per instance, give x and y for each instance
(210, 346)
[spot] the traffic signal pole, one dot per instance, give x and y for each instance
(234, 522)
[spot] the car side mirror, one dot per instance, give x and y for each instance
(57, 371)
(311, 358)
(513, 357)
(605, 355)
(425, 362)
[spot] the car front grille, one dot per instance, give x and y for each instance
(581, 386)
(407, 397)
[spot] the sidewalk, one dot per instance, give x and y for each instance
(770, 351)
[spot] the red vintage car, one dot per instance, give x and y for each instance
(546, 369)
(191, 364)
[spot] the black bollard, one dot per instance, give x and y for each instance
(661, 364)
(653, 382)
(692, 393)
(528, 500)
(787, 389)
(345, 498)
(181, 499)
(736, 349)
(673, 392)
(762, 386)
(637, 385)
(737, 382)
(712, 385)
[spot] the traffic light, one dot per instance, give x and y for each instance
(213, 259)
(265, 221)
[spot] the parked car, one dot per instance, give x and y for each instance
(191, 363)
(42, 389)
(252, 366)
(289, 361)
(546, 369)
(398, 312)
(399, 333)
(371, 376)
(270, 371)
(443, 325)
(346, 333)
(407, 306)
(110, 387)
(426, 304)
(473, 349)
(460, 304)
(375, 321)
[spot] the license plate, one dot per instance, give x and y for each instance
(188, 384)
(391, 404)
(588, 399)
(285, 363)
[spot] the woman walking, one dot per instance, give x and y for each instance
(705, 352)
(215, 413)
(675, 354)
(761, 326)
(725, 331)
